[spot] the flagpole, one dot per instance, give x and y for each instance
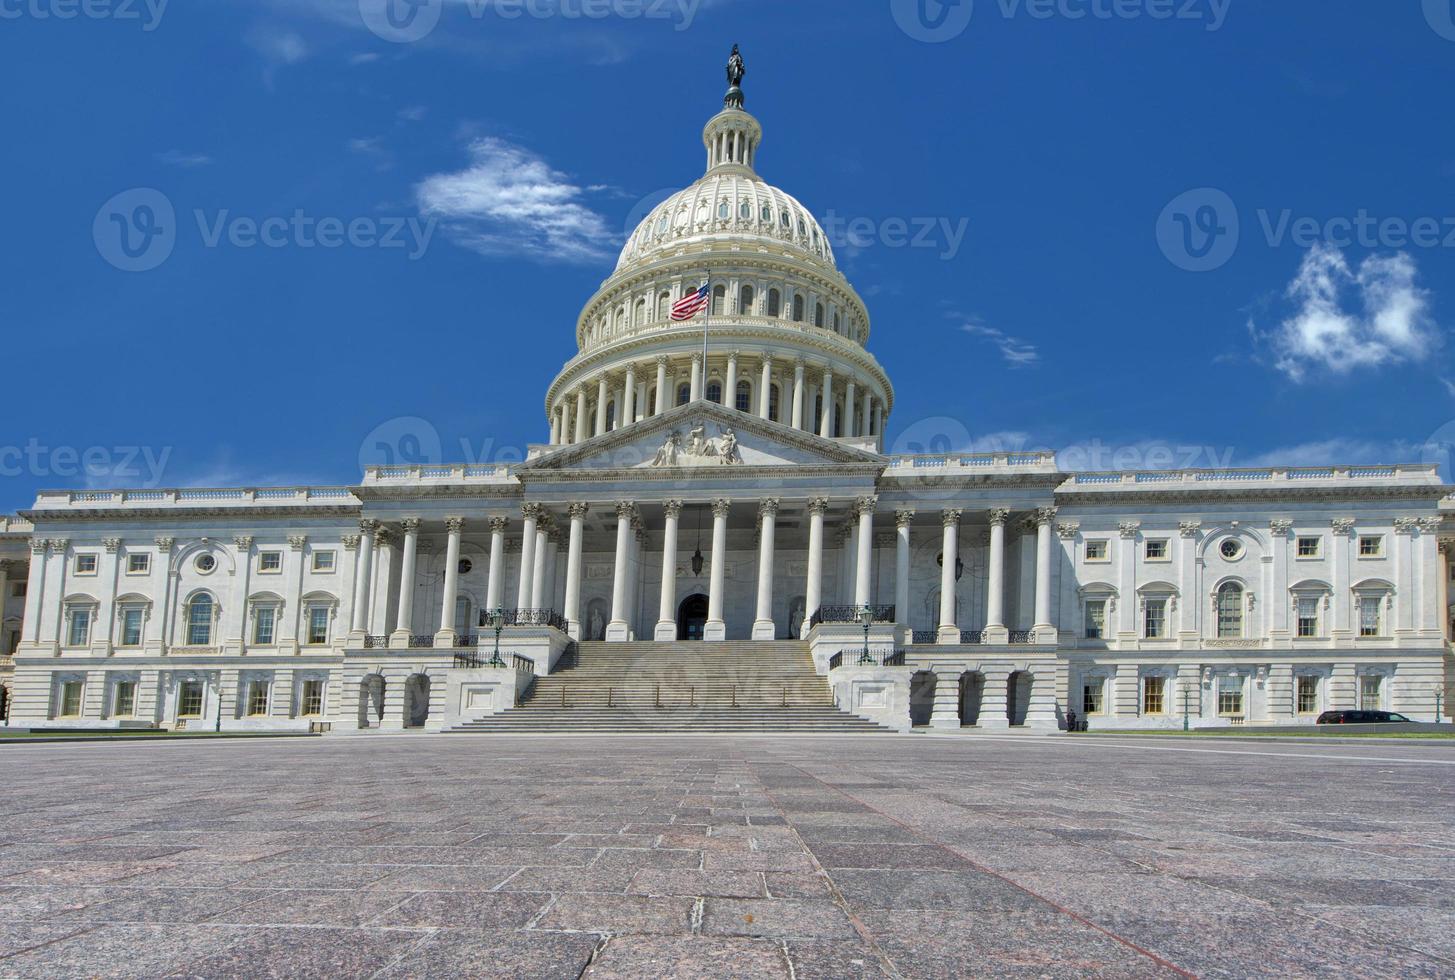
(706, 317)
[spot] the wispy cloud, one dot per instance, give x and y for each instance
(177, 158)
(1349, 319)
(511, 201)
(1016, 352)
(1337, 451)
(373, 148)
(279, 49)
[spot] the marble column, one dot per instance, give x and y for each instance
(532, 515)
(851, 402)
(634, 576)
(864, 559)
(730, 385)
(664, 397)
(764, 628)
(716, 629)
(617, 630)
(404, 619)
(798, 393)
(697, 388)
(903, 520)
(1044, 627)
(666, 630)
(538, 568)
(995, 631)
(949, 631)
(368, 531)
(572, 612)
(765, 390)
(547, 599)
(581, 418)
(629, 396)
(455, 526)
(495, 583)
(813, 589)
(826, 424)
(866, 424)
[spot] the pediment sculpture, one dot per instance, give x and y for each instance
(697, 449)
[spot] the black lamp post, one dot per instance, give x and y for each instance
(497, 620)
(866, 620)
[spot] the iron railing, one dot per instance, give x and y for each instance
(421, 642)
(1022, 637)
(474, 660)
(854, 658)
(376, 642)
(972, 636)
(925, 636)
(525, 617)
(839, 615)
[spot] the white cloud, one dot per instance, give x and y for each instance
(177, 158)
(1017, 352)
(1350, 319)
(284, 48)
(510, 201)
(1335, 452)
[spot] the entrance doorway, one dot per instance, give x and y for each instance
(692, 617)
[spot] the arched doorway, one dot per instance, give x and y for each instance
(921, 698)
(1018, 696)
(371, 701)
(416, 701)
(972, 690)
(692, 617)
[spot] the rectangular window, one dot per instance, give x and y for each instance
(1092, 693)
(1371, 546)
(1369, 692)
(1154, 695)
(264, 620)
(80, 632)
(1157, 550)
(71, 699)
(270, 561)
(312, 701)
(1156, 619)
(258, 699)
(1308, 695)
(125, 705)
(18, 590)
(85, 564)
(1096, 551)
(131, 620)
(1309, 547)
(1096, 619)
(1308, 617)
(138, 564)
(1370, 615)
(323, 561)
(1230, 696)
(318, 625)
(189, 702)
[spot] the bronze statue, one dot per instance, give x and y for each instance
(735, 72)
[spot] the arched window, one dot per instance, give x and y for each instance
(745, 301)
(652, 399)
(766, 214)
(714, 391)
(621, 320)
(610, 416)
(838, 421)
(199, 620)
(1230, 611)
(773, 394)
(744, 400)
(684, 394)
(719, 300)
(818, 413)
(722, 207)
(745, 211)
(664, 304)
(836, 322)
(775, 303)
(641, 313)
(798, 309)
(818, 315)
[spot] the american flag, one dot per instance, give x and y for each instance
(692, 304)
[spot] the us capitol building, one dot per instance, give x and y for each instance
(713, 536)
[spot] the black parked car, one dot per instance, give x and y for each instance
(1360, 718)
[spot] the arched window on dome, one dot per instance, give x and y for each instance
(766, 214)
(610, 416)
(664, 305)
(836, 322)
(798, 309)
(684, 394)
(838, 420)
(722, 210)
(785, 220)
(663, 223)
(802, 228)
(745, 301)
(818, 412)
(775, 303)
(652, 399)
(620, 320)
(773, 396)
(714, 391)
(640, 316)
(719, 300)
(818, 315)
(744, 400)
(745, 211)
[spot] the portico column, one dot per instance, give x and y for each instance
(404, 621)
(949, 553)
(798, 393)
(556, 426)
(662, 395)
(496, 581)
(879, 422)
(601, 395)
(580, 414)
(634, 580)
(730, 386)
(446, 635)
(695, 392)
(851, 403)
(995, 602)
(547, 599)
(766, 390)
(629, 396)
(813, 589)
(864, 561)
(866, 427)
(666, 630)
(616, 630)
(369, 530)
(763, 626)
(826, 424)
(716, 629)
(538, 568)
(531, 513)
(572, 612)
(902, 521)
(1044, 627)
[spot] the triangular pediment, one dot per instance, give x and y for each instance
(701, 438)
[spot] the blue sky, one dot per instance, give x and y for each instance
(1075, 172)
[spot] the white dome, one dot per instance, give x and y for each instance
(733, 206)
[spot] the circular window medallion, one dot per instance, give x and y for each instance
(206, 563)
(465, 566)
(1231, 549)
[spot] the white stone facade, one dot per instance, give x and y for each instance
(740, 494)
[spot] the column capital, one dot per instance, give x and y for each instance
(532, 512)
(662, 360)
(1280, 528)
(903, 518)
(369, 527)
(1068, 531)
(1189, 529)
(768, 356)
(350, 542)
(865, 505)
(382, 537)
(1405, 525)
(409, 525)
(454, 525)
(297, 541)
(818, 505)
(1129, 529)
(697, 357)
(673, 508)
(721, 506)
(243, 542)
(625, 510)
(1045, 515)
(1343, 525)
(997, 517)
(499, 525)
(798, 365)
(768, 507)
(578, 512)
(951, 518)
(733, 355)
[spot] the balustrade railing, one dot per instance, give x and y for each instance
(1022, 637)
(376, 642)
(840, 615)
(855, 657)
(421, 642)
(525, 617)
(972, 636)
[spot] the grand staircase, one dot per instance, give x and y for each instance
(680, 687)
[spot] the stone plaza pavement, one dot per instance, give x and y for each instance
(840, 857)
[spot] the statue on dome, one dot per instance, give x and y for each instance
(735, 72)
